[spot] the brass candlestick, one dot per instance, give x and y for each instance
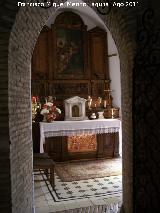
(107, 98)
(89, 101)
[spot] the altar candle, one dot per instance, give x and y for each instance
(89, 102)
(112, 112)
(105, 103)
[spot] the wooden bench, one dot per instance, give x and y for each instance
(45, 163)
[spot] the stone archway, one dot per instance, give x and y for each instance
(27, 26)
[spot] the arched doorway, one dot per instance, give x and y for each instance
(28, 23)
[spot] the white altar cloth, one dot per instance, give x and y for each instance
(68, 128)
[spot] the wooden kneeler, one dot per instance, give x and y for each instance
(43, 162)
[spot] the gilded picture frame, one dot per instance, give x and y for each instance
(70, 47)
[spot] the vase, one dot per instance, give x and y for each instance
(49, 117)
(93, 116)
(44, 119)
(100, 115)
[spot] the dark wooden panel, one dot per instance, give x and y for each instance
(98, 54)
(64, 149)
(46, 79)
(40, 58)
(100, 139)
(111, 113)
(53, 146)
(51, 60)
(97, 88)
(65, 89)
(116, 148)
(39, 88)
(107, 147)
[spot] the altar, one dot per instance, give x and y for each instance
(62, 139)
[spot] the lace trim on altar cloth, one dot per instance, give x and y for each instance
(70, 128)
(81, 132)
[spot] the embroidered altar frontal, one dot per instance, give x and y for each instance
(82, 143)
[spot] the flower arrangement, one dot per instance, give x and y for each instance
(50, 112)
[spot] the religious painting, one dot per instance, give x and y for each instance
(70, 53)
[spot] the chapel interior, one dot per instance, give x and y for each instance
(75, 69)
(75, 56)
(130, 67)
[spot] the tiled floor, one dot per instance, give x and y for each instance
(93, 195)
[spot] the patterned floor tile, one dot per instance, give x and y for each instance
(67, 194)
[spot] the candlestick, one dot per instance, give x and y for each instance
(34, 99)
(89, 102)
(112, 110)
(99, 101)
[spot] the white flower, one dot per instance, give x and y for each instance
(44, 111)
(49, 104)
(58, 110)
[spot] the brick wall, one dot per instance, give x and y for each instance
(125, 44)
(24, 34)
(7, 17)
(16, 145)
(5, 178)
